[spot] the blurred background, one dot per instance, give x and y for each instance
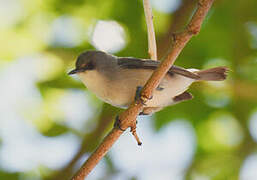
(50, 123)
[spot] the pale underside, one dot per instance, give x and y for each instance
(119, 89)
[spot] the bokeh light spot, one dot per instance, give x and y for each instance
(252, 29)
(67, 32)
(253, 125)
(108, 36)
(166, 6)
(10, 12)
(156, 159)
(221, 131)
(248, 170)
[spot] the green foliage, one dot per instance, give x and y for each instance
(218, 112)
(11, 176)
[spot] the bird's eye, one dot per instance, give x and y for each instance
(90, 66)
(83, 65)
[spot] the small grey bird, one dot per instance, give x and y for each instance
(116, 80)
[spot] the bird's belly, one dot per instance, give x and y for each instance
(172, 86)
(119, 95)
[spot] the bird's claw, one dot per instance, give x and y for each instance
(143, 99)
(117, 123)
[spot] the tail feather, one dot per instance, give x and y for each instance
(213, 74)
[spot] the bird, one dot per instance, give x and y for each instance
(118, 80)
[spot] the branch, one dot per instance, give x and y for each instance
(180, 40)
(89, 143)
(128, 117)
(179, 18)
(152, 50)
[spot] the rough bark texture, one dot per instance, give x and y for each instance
(128, 117)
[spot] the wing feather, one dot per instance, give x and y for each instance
(134, 63)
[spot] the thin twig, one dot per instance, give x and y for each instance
(128, 117)
(180, 40)
(152, 49)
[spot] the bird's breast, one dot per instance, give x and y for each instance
(108, 89)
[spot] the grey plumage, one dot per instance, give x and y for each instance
(115, 79)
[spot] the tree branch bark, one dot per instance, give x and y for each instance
(89, 143)
(128, 117)
(178, 21)
(152, 49)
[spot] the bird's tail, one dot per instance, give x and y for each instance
(213, 74)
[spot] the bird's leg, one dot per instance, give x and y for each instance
(133, 125)
(138, 93)
(139, 97)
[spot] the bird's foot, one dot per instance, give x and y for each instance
(117, 123)
(143, 99)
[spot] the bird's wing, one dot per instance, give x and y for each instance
(134, 63)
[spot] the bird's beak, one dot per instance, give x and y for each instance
(74, 71)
